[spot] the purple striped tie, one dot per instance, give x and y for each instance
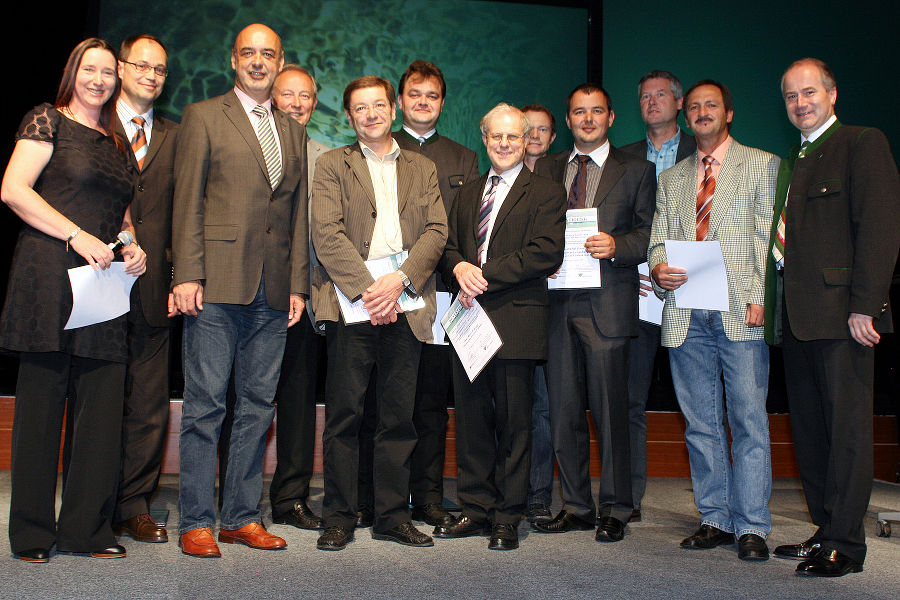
(484, 216)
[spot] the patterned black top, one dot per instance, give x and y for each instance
(89, 180)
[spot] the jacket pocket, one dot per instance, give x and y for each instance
(836, 276)
(825, 187)
(456, 180)
(225, 233)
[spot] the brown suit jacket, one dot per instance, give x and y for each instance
(343, 220)
(229, 225)
(151, 214)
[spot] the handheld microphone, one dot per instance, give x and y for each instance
(123, 239)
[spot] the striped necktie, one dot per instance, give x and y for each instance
(778, 242)
(704, 198)
(139, 142)
(484, 216)
(268, 145)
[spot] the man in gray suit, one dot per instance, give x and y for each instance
(725, 193)
(371, 201)
(241, 273)
(590, 329)
(661, 97)
(295, 93)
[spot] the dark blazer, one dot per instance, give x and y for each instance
(228, 222)
(686, 146)
(526, 245)
(456, 164)
(151, 214)
(625, 202)
(343, 221)
(841, 237)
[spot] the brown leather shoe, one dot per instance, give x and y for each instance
(253, 535)
(143, 529)
(199, 542)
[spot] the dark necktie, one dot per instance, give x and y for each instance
(578, 191)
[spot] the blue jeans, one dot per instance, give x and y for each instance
(540, 486)
(251, 337)
(732, 495)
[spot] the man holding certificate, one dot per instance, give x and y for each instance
(372, 201)
(724, 193)
(591, 327)
(506, 237)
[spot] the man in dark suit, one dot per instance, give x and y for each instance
(835, 234)
(420, 98)
(294, 92)
(143, 68)
(506, 237)
(372, 201)
(241, 274)
(660, 94)
(591, 329)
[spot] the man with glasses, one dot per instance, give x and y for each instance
(591, 329)
(151, 137)
(372, 201)
(506, 237)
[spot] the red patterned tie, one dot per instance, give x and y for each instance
(139, 142)
(704, 198)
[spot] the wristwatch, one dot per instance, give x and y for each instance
(404, 278)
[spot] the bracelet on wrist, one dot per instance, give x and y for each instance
(71, 237)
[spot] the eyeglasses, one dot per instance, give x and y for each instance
(142, 68)
(511, 138)
(361, 109)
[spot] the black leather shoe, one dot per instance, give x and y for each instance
(561, 523)
(461, 527)
(300, 516)
(752, 547)
(610, 530)
(116, 551)
(707, 537)
(504, 537)
(406, 534)
(802, 551)
(538, 512)
(34, 555)
(335, 538)
(433, 514)
(635, 516)
(365, 517)
(829, 563)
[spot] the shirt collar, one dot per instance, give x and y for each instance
(126, 113)
(249, 103)
(509, 176)
(815, 134)
(416, 136)
(672, 141)
(598, 155)
(392, 154)
(718, 154)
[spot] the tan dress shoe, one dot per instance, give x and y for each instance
(253, 535)
(199, 542)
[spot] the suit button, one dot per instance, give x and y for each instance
(140, 187)
(140, 221)
(268, 230)
(272, 198)
(374, 214)
(366, 244)
(824, 189)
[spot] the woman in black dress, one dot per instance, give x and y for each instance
(70, 182)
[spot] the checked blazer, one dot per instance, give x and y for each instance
(740, 220)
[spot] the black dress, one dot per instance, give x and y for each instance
(88, 179)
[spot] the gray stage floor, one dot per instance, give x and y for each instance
(647, 564)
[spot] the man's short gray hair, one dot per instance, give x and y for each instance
(504, 107)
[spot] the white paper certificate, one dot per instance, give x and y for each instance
(355, 312)
(99, 296)
(578, 269)
(443, 299)
(474, 338)
(649, 307)
(707, 284)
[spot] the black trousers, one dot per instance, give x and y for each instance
(433, 390)
(830, 386)
(295, 424)
(493, 428)
(353, 352)
(146, 415)
(89, 493)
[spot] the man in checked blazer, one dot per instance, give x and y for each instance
(372, 200)
(705, 345)
(241, 254)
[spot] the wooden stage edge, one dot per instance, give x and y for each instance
(666, 450)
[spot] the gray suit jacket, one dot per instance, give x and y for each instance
(229, 225)
(151, 214)
(740, 219)
(343, 220)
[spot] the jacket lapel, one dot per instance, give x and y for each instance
(354, 158)
(404, 180)
(234, 112)
(687, 192)
(612, 173)
(120, 131)
(516, 193)
(158, 135)
(727, 185)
